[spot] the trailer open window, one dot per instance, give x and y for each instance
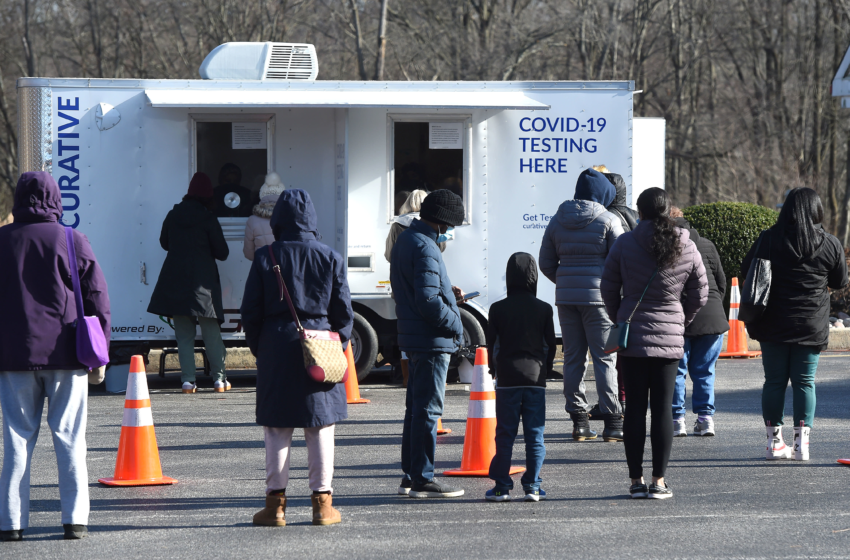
(234, 152)
(430, 154)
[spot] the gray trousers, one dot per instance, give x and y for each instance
(22, 395)
(184, 332)
(586, 327)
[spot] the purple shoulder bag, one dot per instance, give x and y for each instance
(92, 350)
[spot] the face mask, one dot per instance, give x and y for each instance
(448, 236)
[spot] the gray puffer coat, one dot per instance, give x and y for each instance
(672, 301)
(575, 244)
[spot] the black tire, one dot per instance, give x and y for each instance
(473, 336)
(473, 332)
(364, 341)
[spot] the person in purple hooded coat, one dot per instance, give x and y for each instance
(654, 277)
(38, 356)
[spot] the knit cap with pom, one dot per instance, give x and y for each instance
(272, 186)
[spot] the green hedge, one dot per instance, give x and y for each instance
(733, 227)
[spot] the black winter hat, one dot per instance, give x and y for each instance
(442, 207)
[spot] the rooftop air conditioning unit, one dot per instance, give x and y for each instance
(261, 61)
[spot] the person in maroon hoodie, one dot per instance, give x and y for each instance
(38, 356)
(654, 277)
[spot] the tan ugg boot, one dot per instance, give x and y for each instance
(323, 512)
(274, 514)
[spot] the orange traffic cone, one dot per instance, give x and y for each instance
(352, 388)
(479, 443)
(441, 431)
(138, 456)
(736, 341)
(844, 462)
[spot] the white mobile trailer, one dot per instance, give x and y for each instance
(123, 152)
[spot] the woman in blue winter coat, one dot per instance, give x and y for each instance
(286, 398)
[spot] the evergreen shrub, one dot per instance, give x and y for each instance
(733, 227)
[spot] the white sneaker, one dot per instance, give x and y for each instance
(679, 429)
(221, 386)
(189, 387)
(704, 426)
(801, 443)
(776, 448)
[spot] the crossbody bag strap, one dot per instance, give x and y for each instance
(641, 296)
(283, 291)
(75, 275)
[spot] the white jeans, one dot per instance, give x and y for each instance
(22, 395)
(320, 457)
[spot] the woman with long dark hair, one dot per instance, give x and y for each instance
(794, 328)
(661, 277)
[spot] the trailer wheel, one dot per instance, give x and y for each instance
(473, 337)
(364, 346)
(473, 332)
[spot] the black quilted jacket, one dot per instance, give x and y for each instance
(711, 319)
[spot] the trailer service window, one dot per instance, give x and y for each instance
(427, 155)
(234, 155)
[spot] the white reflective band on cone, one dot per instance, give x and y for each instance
(138, 417)
(733, 313)
(735, 296)
(481, 380)
(137, 387)
(481, 409)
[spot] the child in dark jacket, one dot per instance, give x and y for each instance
(521, 341)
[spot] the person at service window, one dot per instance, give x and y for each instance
(188, 289)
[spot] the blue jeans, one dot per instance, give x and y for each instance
(426, 390)
(511, 404)
(699, 360)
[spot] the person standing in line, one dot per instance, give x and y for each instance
(521, 341)
(429, 331)
(314, 275)
(628, 219)
(703, 340)
(572, 255)
(188, 289)
(258, 230)
(38, 357)
(655, 276)
(408, 212)
(794, 329)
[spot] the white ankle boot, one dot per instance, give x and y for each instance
(801, 442)
(776, 448)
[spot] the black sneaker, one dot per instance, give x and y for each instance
(12, 535)
(638, 490)
(434, 489)
(404, 487)
(75, 532)
(657, 492)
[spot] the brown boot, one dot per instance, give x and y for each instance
(274, 514)
(323, 512)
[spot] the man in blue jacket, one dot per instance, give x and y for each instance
(429, 331)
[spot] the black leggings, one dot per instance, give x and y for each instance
(653, 379)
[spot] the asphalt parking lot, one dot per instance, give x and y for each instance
(728, 502)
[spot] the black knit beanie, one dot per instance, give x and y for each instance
(442, 207)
